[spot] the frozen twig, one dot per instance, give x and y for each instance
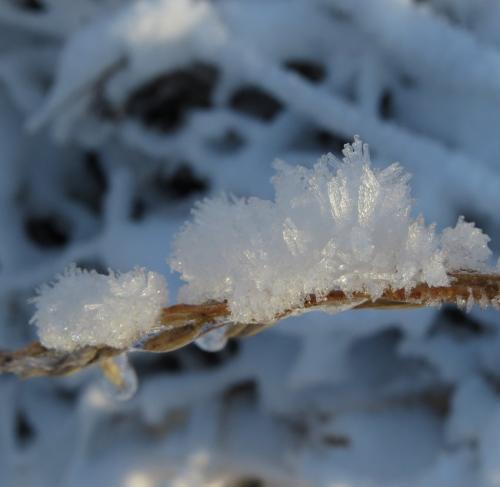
(182, 324)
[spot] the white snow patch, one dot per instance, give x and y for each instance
(135, 39)
(340, 225)
(83, 308)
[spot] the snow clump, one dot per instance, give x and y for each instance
(83, 308)
(341, 225)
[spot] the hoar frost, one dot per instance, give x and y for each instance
(341, 225)
(83, 308)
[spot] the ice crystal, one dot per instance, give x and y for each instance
(340, 225)
(129, 382)
(213, 341)
(86, 308)
(466, 246)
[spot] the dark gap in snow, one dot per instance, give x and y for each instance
(313, 138)
(47, 231)
(101, 105)
(455, 15)
(228, 143)
(164, 102)
(151, 364)
(139, 208)
(337, 440)
(211, 360)
(247, 482)
(387, 338)
(439, 399)
(103, 108)
(165, 186)
(381, 350)
(233, 347)
(94, 167)
(32, 5)
(66, 395)
(183, 182)
(453, 321)
(407, 81)
(255, 102)
(309, 70)
(492, 378)
(448, 13)
(243, 388)
(97, 176)
(90, 185)
(386, 105)
(24, 430)
(339, 14)
(243, 392)
(330, 141)
(43, 80)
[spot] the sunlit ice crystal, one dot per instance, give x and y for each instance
(341, 225)
(82, 308)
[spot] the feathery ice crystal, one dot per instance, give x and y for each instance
(340, 225)
(86, 308)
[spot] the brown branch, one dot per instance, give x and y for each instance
(35, 360)
(181, 324)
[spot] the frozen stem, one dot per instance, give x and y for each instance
(183, 323)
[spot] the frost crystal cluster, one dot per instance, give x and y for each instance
(340, 225)
(86, 308)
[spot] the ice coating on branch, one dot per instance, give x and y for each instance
(83, 308)
(213, 341)
(129, 383)
(340, 225)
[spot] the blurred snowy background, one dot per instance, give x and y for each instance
(116, 116)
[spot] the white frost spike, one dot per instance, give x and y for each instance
(368, 195)
(129, 383)
(340, 225)
(465, 245)
(83, 308)
(292, 237)
(213, 341)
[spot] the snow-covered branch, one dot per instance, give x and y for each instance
(182, 324)
(338, 236)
